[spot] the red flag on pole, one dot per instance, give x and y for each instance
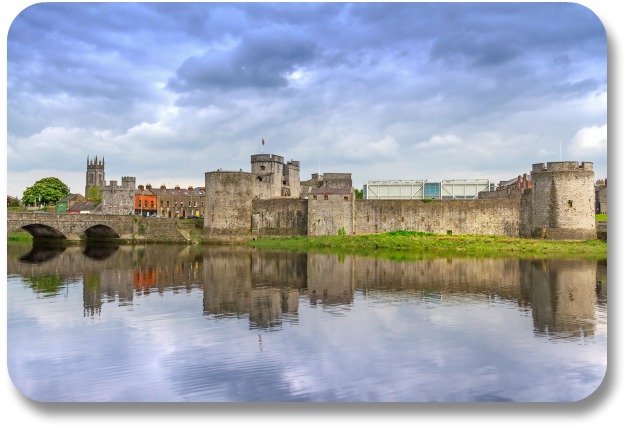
(262, 141)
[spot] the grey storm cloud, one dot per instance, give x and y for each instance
(356, 86)
(262, 60)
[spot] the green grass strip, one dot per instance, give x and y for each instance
(417, 245)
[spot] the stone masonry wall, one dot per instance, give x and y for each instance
(330, 216)
(474, 217)
(279, 217)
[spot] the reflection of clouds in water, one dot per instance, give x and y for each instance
(324, 358)
(386, 345)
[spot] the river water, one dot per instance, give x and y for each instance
(234, 324)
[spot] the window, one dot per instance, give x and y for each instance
(346, 198)
(314, 197)
(262, 167)
(326, 197)
(432, 190)
(570, 203)
(259, 178)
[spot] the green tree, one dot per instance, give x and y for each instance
(359, 194)
(13, 202)
(93, 194)
(46, 191)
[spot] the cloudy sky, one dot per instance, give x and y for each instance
(166, 92)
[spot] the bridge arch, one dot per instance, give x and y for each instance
(43, 231)
(100, 231)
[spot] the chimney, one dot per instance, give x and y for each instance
(162, 187)
(190, 188)
(141, 187)
(177, 187)
(149, 186)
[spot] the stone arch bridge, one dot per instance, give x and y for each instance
(77, 227)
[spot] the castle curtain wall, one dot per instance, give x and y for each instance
(279, 217)
(330, 213)
(472, 217)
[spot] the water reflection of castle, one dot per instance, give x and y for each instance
(268, 287)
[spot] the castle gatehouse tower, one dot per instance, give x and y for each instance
(563, 200)
(274, 178)
(95, 175)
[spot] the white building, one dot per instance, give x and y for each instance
(424, 189)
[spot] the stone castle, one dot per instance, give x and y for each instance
(116, 199)
(271, 200)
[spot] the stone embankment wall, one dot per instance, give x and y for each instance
(161, 230)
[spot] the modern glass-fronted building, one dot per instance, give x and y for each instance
(424, 189)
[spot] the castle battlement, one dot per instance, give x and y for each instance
(562, 166)
(266, 158)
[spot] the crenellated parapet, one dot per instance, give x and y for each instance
(562, 166)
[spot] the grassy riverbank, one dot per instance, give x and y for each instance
(19, 237)
(402, 244)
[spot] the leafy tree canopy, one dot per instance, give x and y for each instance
(46, 191)
(12, 201)
(93, 194)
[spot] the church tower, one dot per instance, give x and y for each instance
(95, 175)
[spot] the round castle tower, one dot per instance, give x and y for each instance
(228, 204)
(95, 174)
(563, 200)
